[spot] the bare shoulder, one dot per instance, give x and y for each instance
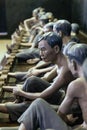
(77, 83)
(75, 86)
(66, 74)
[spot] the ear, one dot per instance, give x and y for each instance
(74, 65)
(56, 48)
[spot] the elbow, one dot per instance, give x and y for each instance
(42, 96)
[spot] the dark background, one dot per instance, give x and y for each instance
(14, 11)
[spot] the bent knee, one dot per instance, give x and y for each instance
(32, 79)
(39, 102)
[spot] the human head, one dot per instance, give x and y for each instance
(48, 27)
(84, 68)
(43, 20)
(74, 29)
(41, 9)
(50, 45)
(35, 12)
(63, 27)
(50, 16)
(68, 46)
(76, 56)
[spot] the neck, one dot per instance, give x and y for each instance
(66, 39)
(80, 73)
(60, 60)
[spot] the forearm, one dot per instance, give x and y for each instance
(50, 75)
(46, 69)
(27, 24)
(42, 64)
(30, 96)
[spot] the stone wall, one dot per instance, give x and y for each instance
(2, 16)
(79, 13)
(18, 10)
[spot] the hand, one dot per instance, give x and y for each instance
(17, 90)
(71, 119)
(84, 125)
(43, 78)
(34, 72)
(46, 74)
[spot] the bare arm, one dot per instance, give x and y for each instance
(42, 64)
(50, 75)
(60, 81)
(37, 72)
(67, 103)
(27, 23)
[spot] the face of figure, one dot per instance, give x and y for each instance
(47, 53)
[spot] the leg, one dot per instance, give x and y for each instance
(36, 84)
(41, 115)
(8, 88)
(28, 54)
(15, 110)
(18, 75)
